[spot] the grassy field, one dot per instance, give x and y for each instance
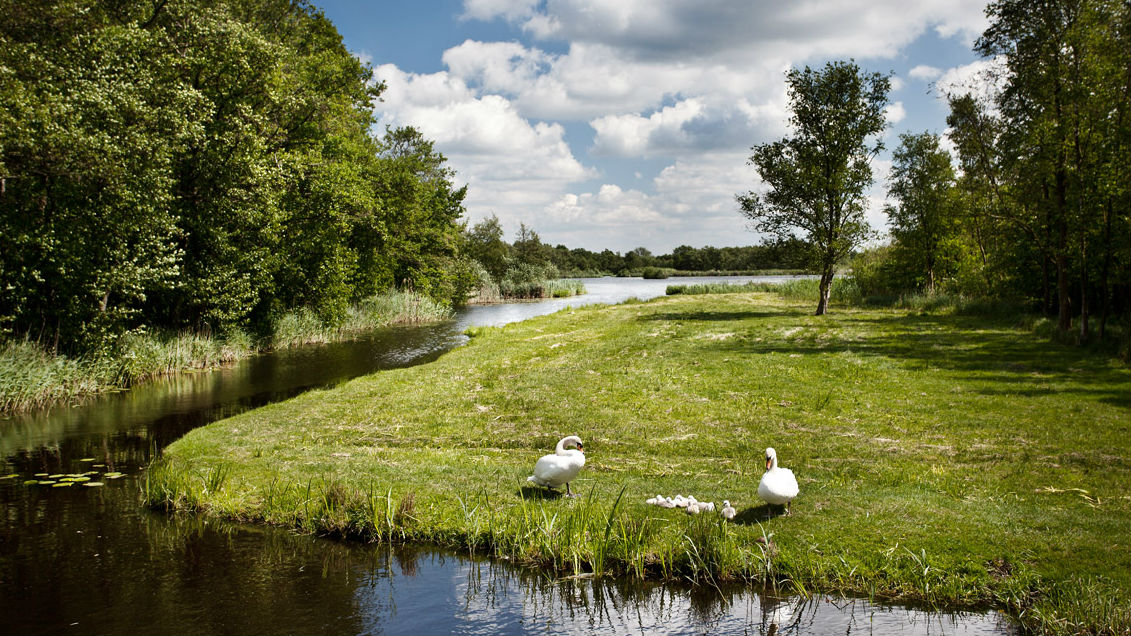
(947, 459)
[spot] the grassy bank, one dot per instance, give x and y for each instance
(947, 459)
(32, 378)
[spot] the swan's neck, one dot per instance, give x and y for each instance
(773, 463)
(560, 448)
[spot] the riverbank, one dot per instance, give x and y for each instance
(32, 378)
(942, 458)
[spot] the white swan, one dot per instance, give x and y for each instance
(562, 467)
(778, 485)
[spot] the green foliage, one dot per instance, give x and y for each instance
(188, 165)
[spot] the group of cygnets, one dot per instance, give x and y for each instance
(690, 505)
(778, 486)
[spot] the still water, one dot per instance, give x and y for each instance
(89, 560)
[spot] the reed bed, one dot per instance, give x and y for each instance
(32, 377)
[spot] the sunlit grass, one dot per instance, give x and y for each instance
(943, 458)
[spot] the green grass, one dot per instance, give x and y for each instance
(948, 459)
(33, 378)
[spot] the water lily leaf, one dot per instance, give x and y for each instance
(31, 482)
(45, 482)
(41, 474)
(12, 476)
(114, 475)
(80, 479)
(94, 484)
(88, 459)
(62, 484)
(57, 476)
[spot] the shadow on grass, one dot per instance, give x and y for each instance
(758, 514)
(718, 316)
(988, 351)
(538, 493)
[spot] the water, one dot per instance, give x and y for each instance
(90, 561)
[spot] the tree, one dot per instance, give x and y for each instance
(484, 243)
(817, 177)
(922, 183)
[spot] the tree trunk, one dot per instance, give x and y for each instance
(826, 288)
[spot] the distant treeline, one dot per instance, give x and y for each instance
(485, 244)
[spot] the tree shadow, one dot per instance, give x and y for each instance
(716, 316)
(992, 352)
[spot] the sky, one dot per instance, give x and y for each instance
(617, 124)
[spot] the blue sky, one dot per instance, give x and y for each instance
(626, 124)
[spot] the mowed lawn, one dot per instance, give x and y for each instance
(951, 459)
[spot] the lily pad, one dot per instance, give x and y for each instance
(88, 459)
(57, 476)
(12, 476)
(41, 474)
(93, 484)
(31, 482)
(46, 482)
(114, 475)
(80, 479)
(62, 484)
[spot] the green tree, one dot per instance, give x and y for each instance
(922, 220)
(817, 178)
(484, 243)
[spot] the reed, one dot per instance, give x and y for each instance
(33, 378)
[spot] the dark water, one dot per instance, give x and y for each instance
(89, 560)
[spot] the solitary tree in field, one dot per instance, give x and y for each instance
(817, 177)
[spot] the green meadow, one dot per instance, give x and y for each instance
(954, 460)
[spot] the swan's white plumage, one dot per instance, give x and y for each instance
(562, 466)
(778, 485)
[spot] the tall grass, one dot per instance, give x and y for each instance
(533, 289)
(32, 378)
(302, 326)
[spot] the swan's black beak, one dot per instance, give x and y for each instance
(769, 462)
(581, 448)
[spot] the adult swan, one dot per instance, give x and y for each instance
(778, 485)
(562, 467)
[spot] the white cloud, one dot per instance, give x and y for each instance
(695, 84)
(895, 112)
(925, 73)
(507, 9)
(510, 163)
(982, 78)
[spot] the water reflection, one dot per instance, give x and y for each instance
(430, 592)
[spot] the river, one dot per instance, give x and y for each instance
(90, 560)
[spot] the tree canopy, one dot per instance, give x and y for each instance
(202, 164)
